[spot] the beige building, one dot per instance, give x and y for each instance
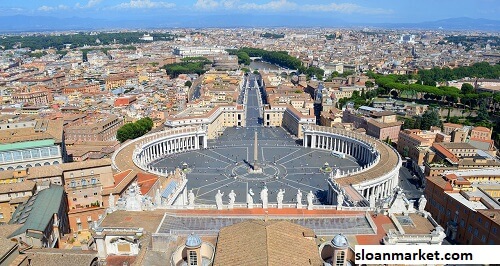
(414, 143)
(94, 128)
(215, 119)
(13, 194)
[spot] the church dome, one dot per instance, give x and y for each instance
(193, 241)
(340, 241)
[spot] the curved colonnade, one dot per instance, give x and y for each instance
(148, 148)
(380, 163)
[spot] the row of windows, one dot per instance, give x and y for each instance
(28, 166)
(84, 196)
(20, 155)
(83, 182)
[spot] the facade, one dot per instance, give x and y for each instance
(414, 143)
(84, 184)
(121, 80)
(13, 194)
(198, 51)
(466, 204)
(94, 128)
(31, 144)
(456, 156)
(36, 98)
(83, 88)
(380, 124)
(480, 133)
(215, 120)
(28, 154)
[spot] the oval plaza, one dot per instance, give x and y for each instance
(228, 151)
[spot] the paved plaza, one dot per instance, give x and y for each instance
(285, 164)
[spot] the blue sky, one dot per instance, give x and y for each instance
(348, 10)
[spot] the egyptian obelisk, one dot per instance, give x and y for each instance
(255, 153)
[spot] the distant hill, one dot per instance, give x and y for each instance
(22, 23)
(462, 23)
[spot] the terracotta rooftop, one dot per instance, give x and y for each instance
(266, 243)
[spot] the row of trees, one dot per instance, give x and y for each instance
(428, 119)
(134, 130)
(272, 35)
(281, 58)
(189, 65)
(44, 41)
(477, 70)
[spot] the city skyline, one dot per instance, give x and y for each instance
(349, 11)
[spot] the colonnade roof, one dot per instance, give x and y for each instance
(389, 159)
(123, 158)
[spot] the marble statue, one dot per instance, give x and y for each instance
(310, 197)
(158, 198)
(421, 203)
(279, 198)
(232, 198)
(299, 199)
(250, 199)
(340, 199)
(263, 197)
(191, 198)
(218, 199)
(111, 201)
(372, 200)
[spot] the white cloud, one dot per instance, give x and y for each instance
(345, 8)
(273, 5)
(90, 3)
(206, 4)
(52, 8)
(144, 4)
(286, 5)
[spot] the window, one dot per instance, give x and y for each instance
(193, 258)
(84, 182)
(85, 196)
(483, 238)
(476, 232)
(339, 260)
(93, 181)
(469, 228)
(74, 199)
(479, 219)
(494, 230)
(72, 184)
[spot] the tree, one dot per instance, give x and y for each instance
(134, 130)
(467, 88)
(430, 118)
(188, 83)
(369, 84)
